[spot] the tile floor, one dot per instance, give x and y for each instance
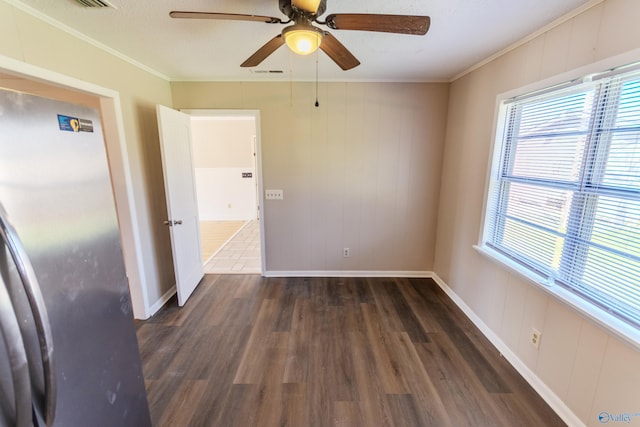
(240, 255)
(214, 235)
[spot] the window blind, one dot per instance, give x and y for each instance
(564, 199)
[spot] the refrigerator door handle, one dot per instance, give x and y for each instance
(17, 359)
(39, 310)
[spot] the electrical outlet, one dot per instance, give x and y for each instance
(536, 335)
(273, 194)
(346, 252)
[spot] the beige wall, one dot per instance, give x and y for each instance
(361, 171)
(223, 150)
(223, 143)
(589, 369)
(35, 42)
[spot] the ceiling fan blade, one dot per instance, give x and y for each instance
(399, 24)
(310, 6)
(336, 51)
(225, 16)
(262, 53)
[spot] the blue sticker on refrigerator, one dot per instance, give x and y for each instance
(74, 124)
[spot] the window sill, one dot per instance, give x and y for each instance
(610, 323)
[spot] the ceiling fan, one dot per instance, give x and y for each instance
(304, 38)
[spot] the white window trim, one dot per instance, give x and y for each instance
(604, 319)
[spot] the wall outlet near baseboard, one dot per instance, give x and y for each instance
(536, 335)
(346, 252)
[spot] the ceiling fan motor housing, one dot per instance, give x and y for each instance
(287, 9)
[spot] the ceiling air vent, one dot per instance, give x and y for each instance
(266, 71)
(95, 3)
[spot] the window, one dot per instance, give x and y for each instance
(564, 195)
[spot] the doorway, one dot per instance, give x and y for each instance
(29, 78)
(226, 161)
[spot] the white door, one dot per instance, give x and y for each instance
(182, 205)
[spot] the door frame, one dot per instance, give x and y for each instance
(255, 114)
(119, 168)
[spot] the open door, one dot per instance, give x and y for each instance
(182, 206)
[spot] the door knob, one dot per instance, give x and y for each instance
(171, 223)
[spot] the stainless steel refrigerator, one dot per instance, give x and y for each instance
(69, 353)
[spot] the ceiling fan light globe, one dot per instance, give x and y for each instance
(302, 39)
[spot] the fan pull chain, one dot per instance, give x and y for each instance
(317, 55)
(290, 79)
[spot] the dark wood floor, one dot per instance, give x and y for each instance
(251, 351)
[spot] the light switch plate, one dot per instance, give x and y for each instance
(273, 194)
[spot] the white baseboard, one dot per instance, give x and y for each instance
(351, 273)
(538, 385)
(161, 302)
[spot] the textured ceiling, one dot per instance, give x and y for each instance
(462, 33)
